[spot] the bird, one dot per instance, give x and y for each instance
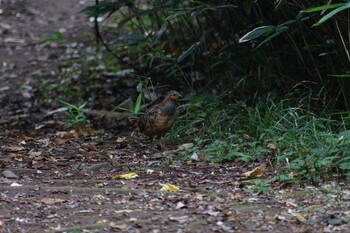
(159, 119)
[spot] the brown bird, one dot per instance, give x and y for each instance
(160, 118)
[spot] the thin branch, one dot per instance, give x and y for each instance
(100, 39)
(342, 40)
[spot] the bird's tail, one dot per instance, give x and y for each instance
(134, 119)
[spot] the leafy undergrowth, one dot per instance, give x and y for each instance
(300, 144)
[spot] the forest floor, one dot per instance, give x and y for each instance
(53, 181)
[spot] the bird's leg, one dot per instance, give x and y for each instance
(152, 144)
(160, 144)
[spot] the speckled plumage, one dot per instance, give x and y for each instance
(160, 118)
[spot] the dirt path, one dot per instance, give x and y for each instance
(54, 182)
(24, 60)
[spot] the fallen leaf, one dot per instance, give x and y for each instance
(311, 207)
(169, 187)
(82, 131)
(291, 203)
(14, 40)
(120, 227)
(185, 146)
(120, 139)
(211, 212)
(51, 201)
(256, 172)
(62, 109)
(271, 146)
(131, 175)
(9, 174)
(149, 171)
(15, 184)
(280, 217)
(102, 221)
(33, 154)
(123, 211)
(14, 148)
(4, 88)
(180, 205)
(180, 219)
(198, 196)
(24, 137)
(233, 217)
(300, 217)
(18, 157)
(195, 157)
(67, 135)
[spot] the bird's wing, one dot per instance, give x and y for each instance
(149, 117)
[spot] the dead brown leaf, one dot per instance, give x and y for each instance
(83, 131)
(33, 154)
(51, 201)
(180, 219)
(14, 148)
(9, 174)
(300, 217)
(67, 135)
(18, 157)
(121, 227)
(271, 146)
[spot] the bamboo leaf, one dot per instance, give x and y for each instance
(139, 86)
(340, 75)
(259, 31)
(332, 13)
(278, 31)
(188, 52)
(138, 103)
(322, 8)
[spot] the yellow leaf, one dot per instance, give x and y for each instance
(131, 175)
(169, 187)
(300, 217)
(256, 172)
(24, 137)
(67, 135)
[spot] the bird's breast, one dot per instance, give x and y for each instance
(169, 108)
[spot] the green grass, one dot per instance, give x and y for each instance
(307, 146)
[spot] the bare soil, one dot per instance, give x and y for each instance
(53, 181)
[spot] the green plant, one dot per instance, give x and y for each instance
(337, 8)
(259, 185)
(141, 88)
(57, 37)
(75, 114)
(300, 143)
(197, 43)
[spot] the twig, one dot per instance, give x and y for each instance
(342, 40)
(100, 39)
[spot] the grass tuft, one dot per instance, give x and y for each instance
(300, 143)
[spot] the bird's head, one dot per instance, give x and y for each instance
(172, 96)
